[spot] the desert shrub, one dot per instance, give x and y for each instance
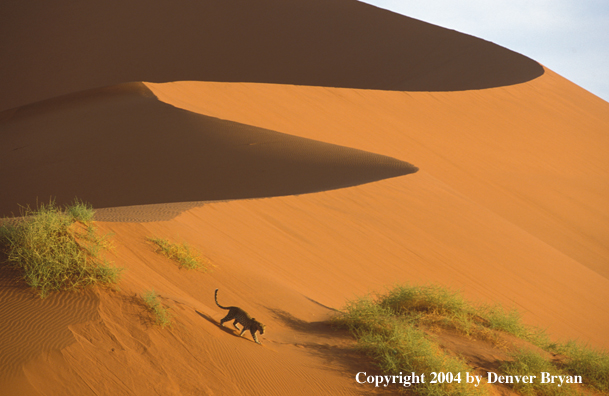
(183, 254)
(527, 362)
(509, 321)
(399, 347)
(57, 248)
(592, 364)
(428, 299)
(388, 328)
(162, 317)
(80, 211)
(433, 304)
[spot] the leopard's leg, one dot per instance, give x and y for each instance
(255, 337)
(225, 319)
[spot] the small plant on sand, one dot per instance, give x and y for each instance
(183, 254)
(80, 211)
(57, 248)
(162, 317)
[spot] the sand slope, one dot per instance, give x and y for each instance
(291, 261)
(30, 325)
(533, 153)
(293, 175)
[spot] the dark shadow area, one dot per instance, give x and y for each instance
(321, 305)
(120, 146)
(322, 329)
(11, 277)
(336, 347)
(349, 361)
(208, 318)
(54, 48)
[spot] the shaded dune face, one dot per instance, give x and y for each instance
(51, 49)
(120, 146)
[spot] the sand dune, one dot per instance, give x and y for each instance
(120, 146)
(533, 153)
(50, 50)
(277, 138)
(292, 261)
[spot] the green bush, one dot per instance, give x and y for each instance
(527, 362)
(80, 211)
(161, 315)
(591, 364)
(428, 299)
(183, 254)
(57, 249)
(399, 347)
(388, 328)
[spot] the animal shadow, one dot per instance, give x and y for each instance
(336, 346)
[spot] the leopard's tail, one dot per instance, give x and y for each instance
(217, 303)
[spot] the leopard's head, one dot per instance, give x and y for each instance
(259, 325)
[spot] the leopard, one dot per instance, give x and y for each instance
(242, 317)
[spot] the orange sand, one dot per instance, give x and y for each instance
(304, 185)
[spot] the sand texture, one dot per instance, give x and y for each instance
(312, 151)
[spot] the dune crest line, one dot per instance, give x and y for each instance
(94, 144)
(331, 43)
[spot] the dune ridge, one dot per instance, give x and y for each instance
(52, 50)
(122, 139)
